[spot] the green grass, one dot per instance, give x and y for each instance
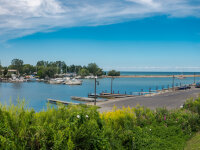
(194, 143)
(82, 127)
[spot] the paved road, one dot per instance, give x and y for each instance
(169, 100)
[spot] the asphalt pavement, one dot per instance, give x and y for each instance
(170, 100)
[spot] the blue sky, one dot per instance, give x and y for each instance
(131, 35)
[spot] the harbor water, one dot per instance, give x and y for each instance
(36, 93)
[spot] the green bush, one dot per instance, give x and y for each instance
(113, 73)
(83, 127)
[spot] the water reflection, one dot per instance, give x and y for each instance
(17, 85)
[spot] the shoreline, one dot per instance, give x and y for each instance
(152, 76)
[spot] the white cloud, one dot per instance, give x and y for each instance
(23, 17)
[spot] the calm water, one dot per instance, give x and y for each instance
(158, 73)
(36, 93)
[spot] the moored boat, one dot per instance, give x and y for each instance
(73, 82)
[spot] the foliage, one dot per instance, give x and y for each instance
(17, 64)
(28, 69)
(99, 72)
(113, 73)
(46, 72)
(5, 72)
(74, 68)
(83, 72)
(193, 143)
(58, 66)
(1, 68)
(193, 105)
(93, 68)
(51, 68)
(83, 127)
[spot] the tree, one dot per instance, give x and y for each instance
(71, 68)
(50, 72)
(83, 72)
(1, 68)
(93, 68)
(78, 68)
(64, 68)
(42, 63)
(46, 72)
(41, 73)
(61, 67)
(17, 64)
(99, 72)
(113, 73)
(28, 69)
(5, 72)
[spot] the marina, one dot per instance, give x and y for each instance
(37, 92)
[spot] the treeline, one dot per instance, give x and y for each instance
(50, 69)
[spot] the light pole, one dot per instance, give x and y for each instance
(112, 78)
(173, 82)
(95, 90)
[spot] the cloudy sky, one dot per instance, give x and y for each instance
(120, 34)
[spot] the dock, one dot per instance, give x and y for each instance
(109, 95)
(86, 99)
(61, 102)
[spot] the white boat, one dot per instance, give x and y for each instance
(90, 77)
(59, 80)
(56, 81)
(73, 82)
(15, 79)
(78, 77)
(40, 80)
(66, 79)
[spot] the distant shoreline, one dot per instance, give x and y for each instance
(153, 76)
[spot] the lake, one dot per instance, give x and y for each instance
(36, 93)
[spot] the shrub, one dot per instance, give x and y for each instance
(83, 127)
(113, 73)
